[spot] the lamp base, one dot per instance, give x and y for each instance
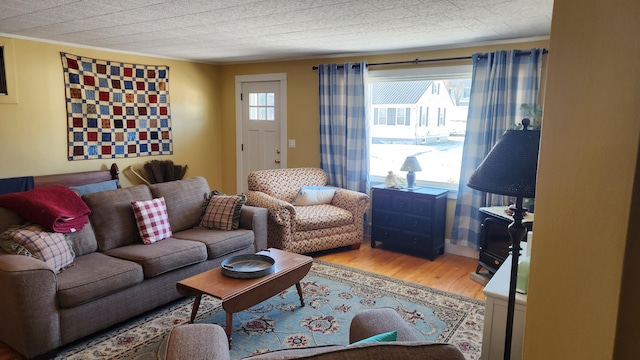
(411, 180)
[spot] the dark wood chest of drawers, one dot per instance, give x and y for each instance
(410, 219)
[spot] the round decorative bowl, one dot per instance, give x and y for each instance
(247, 266)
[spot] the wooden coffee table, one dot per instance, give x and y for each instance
(241, 294)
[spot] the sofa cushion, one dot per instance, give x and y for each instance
(35, 241)
(9, 218)
(152, 220)
(184, 200)
(219, 242)
(112, 216)
(321, 217)
(96, 275)
(83, 241)
(163, 256)
(223, 212)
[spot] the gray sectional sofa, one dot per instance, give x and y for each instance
(115, 276)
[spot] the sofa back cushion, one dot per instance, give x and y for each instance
(184, 199)
(284, 184)
(112, 216)
(84, 241)
(9, 218)
(371, 351)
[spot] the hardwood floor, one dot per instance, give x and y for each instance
(448, 272)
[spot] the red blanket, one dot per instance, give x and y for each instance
(55, 207)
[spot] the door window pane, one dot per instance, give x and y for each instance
(262, 106)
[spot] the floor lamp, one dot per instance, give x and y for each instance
(510, 169)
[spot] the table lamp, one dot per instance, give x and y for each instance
(411, 165)
(510, 169)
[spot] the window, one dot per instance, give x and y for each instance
(420, 112)
(3, 76)
(262, 106)
(8, 83)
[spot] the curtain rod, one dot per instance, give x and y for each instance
(418, 61)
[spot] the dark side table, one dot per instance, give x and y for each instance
(410, 219)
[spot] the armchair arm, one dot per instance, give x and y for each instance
(279, 210)
(255, 218)
(370, 322)
(197, 341)
(353, 201)
(28, 305)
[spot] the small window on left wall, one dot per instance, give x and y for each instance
(3, 73)
(8, 83)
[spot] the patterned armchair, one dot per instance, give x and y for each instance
(304, 229)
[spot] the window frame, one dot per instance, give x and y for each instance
(10, 72)
(435, 72)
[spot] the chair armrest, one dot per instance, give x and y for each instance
(279, 210)
(197, 342)
(255, 218)
(28, 305)
(352, 201)
(367, 323)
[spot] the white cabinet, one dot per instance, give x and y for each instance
(495, 316)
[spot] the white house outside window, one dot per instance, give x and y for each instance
(420, 112)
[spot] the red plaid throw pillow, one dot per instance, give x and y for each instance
(220, 212)
(152, 220)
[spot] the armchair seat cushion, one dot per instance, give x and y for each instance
(321, 217)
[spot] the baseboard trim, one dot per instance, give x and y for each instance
(460, 250)
(448, 248)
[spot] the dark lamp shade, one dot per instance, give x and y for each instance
(411, 164)
(511, 166)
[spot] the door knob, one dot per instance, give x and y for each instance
(277, 161)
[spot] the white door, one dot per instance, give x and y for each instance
(261, 123)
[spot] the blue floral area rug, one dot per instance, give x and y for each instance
(333, 294)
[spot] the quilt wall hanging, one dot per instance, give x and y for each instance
(116, 110)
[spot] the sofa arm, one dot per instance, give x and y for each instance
(255, 218)
(197, 342)
(352, 201)
(370, 322)
(28, 306)
(279, 210)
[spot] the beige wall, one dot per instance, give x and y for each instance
(33, 135)
(586, 178)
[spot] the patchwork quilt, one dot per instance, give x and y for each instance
(116, 110)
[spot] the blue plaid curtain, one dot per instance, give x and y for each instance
(344, 131)
(501, 82)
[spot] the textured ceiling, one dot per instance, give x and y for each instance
(255, 30)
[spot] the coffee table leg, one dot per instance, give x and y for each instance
(299, 288)
(229, 327)
(196, 305)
